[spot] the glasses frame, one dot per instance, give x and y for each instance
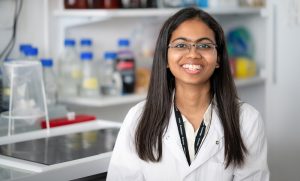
(190, 45)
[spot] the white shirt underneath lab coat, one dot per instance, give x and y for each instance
(125, 165)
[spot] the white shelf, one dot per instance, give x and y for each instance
(152, 12)
(103, 101)
(127, 99)
(241, 83)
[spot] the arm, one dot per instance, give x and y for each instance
(254, 136)
(124, 164)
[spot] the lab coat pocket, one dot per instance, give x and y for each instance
(220, 172)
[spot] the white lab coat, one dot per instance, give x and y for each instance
(208, 165)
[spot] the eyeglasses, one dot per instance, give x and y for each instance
(204, 49)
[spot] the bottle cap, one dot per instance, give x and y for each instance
(47, 62)
(110, 56)
(24, 46)
(86, 56)
(123, 42)
(70, 42)
(31, 51)
(86, 42)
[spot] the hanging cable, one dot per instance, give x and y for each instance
(9, 47)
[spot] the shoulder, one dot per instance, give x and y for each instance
(134, 115)
(247, 111)
(250, 120)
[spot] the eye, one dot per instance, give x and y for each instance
(181, 45)
(204, 46)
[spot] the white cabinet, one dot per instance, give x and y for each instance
(106, 26)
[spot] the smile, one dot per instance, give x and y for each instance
(192, 67)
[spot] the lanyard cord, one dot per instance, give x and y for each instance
(182, 134)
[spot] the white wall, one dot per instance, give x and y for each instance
(283, 100)
(31, 27)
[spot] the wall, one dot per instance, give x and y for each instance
(283, 100)
(31, 24)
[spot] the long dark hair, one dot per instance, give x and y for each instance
(155, 117)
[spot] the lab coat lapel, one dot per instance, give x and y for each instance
(212, 143)
(172, 142)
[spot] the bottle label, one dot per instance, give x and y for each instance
(91, 83)
(6, 91)
(76, 74)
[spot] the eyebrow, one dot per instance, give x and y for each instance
(198, 40)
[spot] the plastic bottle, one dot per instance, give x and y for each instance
(89, 86)
(126, 66)
(108, 84)
(69, 70)
(49, 81)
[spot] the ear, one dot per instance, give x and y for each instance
(218, 64)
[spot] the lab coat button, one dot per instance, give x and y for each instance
(217, 142)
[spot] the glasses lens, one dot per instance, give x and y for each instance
(205, 49)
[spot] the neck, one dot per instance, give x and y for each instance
(192, 97)
(193, 102)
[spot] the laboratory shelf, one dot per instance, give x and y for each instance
(134, 98)
(257, 80)
(151, 12)
(104, 101)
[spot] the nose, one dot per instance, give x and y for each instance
(193, 53)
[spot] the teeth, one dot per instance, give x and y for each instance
(191, 67)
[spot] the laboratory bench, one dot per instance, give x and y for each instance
(73, 152)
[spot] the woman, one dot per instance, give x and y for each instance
(192, 125)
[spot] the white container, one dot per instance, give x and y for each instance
(27, 101)
(69, 70)
(50, 81)
(89, 86)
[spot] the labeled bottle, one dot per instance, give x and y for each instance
(89, 86)
(109, 86)
(49, 81)
(69, 70)
(126, 66)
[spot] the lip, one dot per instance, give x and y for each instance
(192, 68)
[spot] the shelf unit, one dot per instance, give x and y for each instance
(134, 98)
(158, 12)
(68, 19)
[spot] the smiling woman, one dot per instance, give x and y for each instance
(193, 62)
(192, 125)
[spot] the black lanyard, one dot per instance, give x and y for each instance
(181, 130)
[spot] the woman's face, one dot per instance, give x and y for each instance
(192, 54)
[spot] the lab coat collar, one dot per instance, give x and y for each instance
(211, 145)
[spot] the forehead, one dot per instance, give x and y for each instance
(193, 29)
